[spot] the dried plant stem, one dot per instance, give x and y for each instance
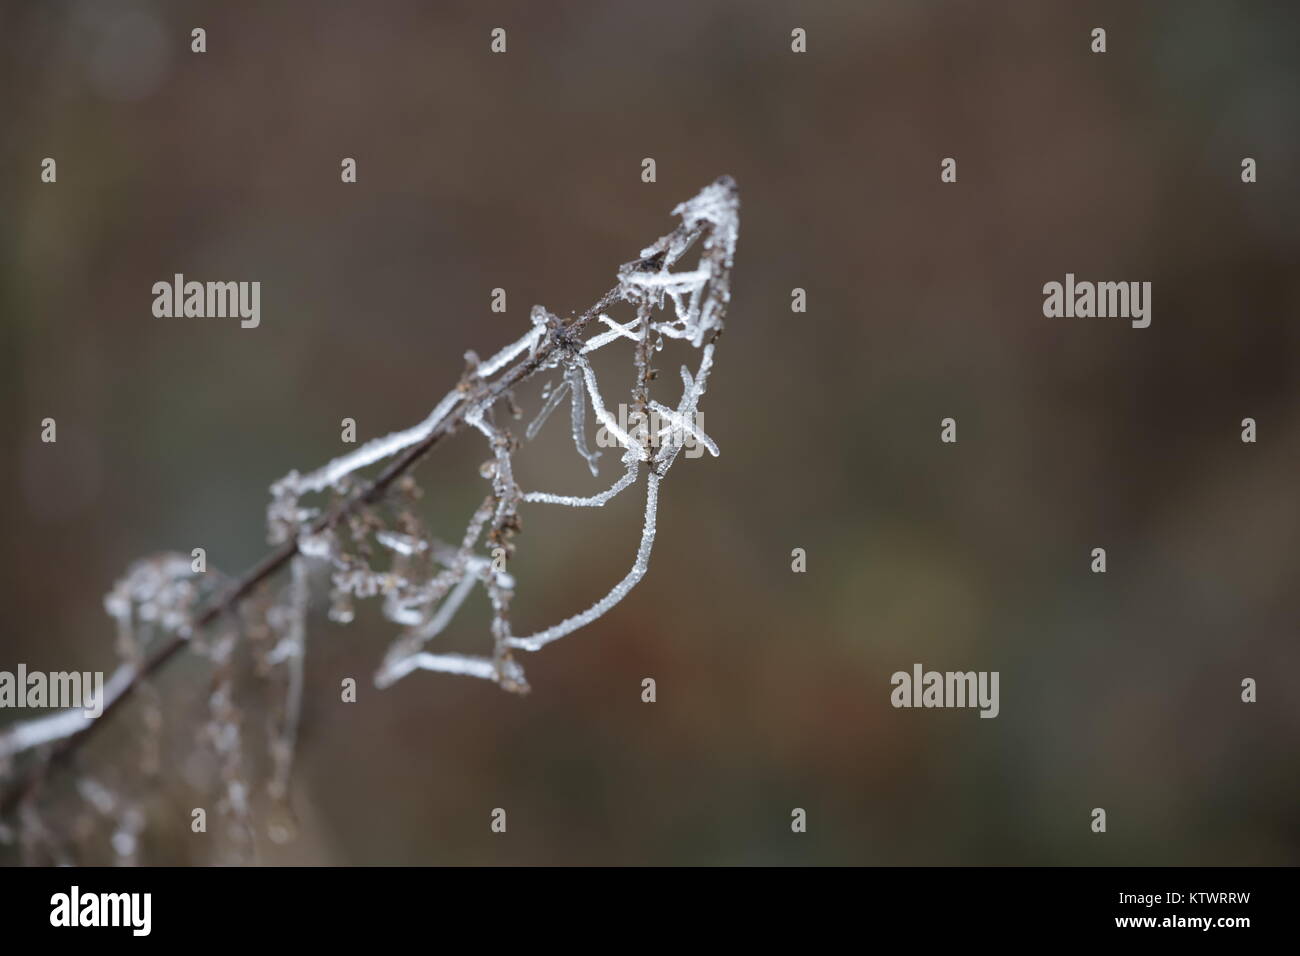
(427, 581)
(29, 782)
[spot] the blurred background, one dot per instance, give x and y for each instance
(522, 171)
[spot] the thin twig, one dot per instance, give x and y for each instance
(699, 300)
(29, 782)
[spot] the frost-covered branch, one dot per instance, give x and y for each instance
(366, 538)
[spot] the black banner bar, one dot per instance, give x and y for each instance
(335, 906)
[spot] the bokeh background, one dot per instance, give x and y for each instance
(522, 171)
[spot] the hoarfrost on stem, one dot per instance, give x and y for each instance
(366, 538)
(429, 581)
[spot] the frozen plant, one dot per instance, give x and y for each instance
(365, 538)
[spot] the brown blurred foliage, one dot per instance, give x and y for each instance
(522, 171)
